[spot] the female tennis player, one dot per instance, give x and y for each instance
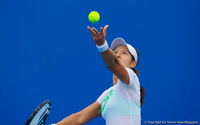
(120, 104)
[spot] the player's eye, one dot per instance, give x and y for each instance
(124, 53)
(115, 52)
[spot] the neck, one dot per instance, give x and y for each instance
(115, 79)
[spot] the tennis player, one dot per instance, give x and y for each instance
(120, 104)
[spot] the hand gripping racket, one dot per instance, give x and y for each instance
(39, 116)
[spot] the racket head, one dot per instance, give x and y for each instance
(40, 114)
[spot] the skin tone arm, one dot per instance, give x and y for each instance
(84, 116)
(109, 57)
(111, 61)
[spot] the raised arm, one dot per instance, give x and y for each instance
(84, 116)
(109, 57)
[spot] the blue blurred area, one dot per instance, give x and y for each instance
(47, 52)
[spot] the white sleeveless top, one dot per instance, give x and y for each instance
(120, 104)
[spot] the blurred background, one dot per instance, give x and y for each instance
(47, 52)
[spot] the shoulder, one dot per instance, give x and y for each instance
(134, 81)
(130, 71)
(132, 75)
(105, 93)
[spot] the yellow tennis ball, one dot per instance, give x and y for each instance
(94, 17)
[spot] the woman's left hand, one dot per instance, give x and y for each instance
(98, 37)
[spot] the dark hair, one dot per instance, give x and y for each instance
(142, 94)
(142, 90)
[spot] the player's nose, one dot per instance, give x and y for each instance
(118, 55)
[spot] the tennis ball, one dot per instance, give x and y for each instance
(94, 17)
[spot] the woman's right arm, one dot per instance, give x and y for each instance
(109, 57)
(84, 116)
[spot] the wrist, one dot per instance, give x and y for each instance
(103, 47)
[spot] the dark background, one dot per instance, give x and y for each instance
(47, 52)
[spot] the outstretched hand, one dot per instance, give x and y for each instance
(98, 37)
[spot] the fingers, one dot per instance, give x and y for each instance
(105, 29)
(95, 30)
(106, 26)
(101, 31)
(91, 31)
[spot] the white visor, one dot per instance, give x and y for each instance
(119, 41)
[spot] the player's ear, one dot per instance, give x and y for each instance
(133, 64)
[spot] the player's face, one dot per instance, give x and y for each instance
(124, 56)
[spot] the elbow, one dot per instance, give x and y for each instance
(80, 119)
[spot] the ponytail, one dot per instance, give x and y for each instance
(142, 94)
(136, 71)
(142, 90)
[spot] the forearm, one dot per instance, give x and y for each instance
(112, 63)
(70, 120)
(109, 58)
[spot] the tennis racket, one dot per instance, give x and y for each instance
(39, 116)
